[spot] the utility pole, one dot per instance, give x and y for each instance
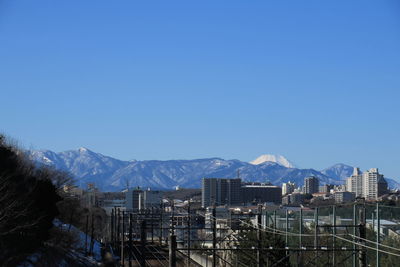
(92, 235)
(161, 223)
(373, 221)
(354, 234)
(118, 229)
(188, 235)
(123, 239)
(259, 238)
(301, 228)
(173, 217)
(300, 237)
(130, 240)
(214, 244)
(334, 235)
(152, 225)
(378, 237)
(362, 260)
(112, 226)
(316, 229)
(287, 229)
(115, 229)
(143, 239)
(86, 234)
(172, 251)
(172, 239)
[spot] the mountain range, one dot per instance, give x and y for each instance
(110, 174)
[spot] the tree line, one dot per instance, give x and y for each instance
(31, 201)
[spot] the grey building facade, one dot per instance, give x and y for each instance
(134, 199)
(342, 197)
(220, 191)
(152, 199)
(293, 199)
(311, 185)
(254, 193)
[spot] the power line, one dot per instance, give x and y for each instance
(359, 244)
(326, 235)
(155, 256)
(248, 224)
(374, 242)
(382, 206)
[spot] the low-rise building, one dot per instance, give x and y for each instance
(293, 199)
(288, 188)
(109, 204)
(255, 193)
(342, 197)
(326, 188)
(387, 228)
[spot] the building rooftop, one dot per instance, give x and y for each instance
(261, 185)
(383, 222)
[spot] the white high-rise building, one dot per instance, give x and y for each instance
(288, 188)
(370, 184)
(355, 183)
(374, 184)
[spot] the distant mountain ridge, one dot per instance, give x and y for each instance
(338, 171)
(110, 174)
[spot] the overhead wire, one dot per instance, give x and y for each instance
(372, 248)
(272, 230)
(155, 256)
(374, 242)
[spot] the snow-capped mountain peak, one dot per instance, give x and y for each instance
(281, 160)
(83, 149)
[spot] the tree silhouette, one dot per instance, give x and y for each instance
(27, 205)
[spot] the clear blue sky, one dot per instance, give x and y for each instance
(316, 81)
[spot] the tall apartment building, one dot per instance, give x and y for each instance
(370, 184)
(220, 191)
(134, 199)
(374, 184)
(288, 188)
(137, 199)
(355, 183)
(311, 185)
(151, 199)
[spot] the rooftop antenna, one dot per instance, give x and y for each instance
(238, 173)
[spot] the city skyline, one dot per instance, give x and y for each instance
(315, 82)
(199, 133)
